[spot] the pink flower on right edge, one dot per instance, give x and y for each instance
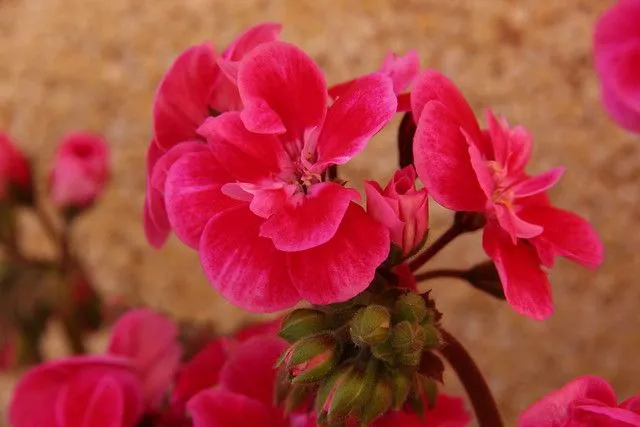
(586, 401)
(465, 168)
(617, 61)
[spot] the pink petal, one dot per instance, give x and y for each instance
(251, 371)
(525, 285)
(345, 265)
(182, 99)
(221, 408)
(603, 416)
(620, 70)
(193, 194)
(566, 234)
(449, 411)
(617, 26)
(622, 113)
(515, 226)
(252, 38)
(247, 156)
(632, 404)
(404, 102)
(340, 89)
(406, 278)
(414, 211)
(282, 89)
(402, 69)
(150, 340)
(441, 156)
(380, 209)
(202, 371)
(552, 410)
(91, 402)
(156, 230)
(270, 327)
(243, 266)
(432, 85)
(520, 149)
(309, 220)
(354, 118)
(539, 183)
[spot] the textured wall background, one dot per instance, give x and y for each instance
(69, 64)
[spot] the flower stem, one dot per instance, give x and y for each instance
(474, 383)
(454, 231)
(67, 304)
(47, 224)
(443, 272)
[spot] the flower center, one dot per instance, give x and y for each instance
(502, 192)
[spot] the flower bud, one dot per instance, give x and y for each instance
(298, 395)
(345, 394)
(425, 389)
(370, 325)
(432, 337)
(302, 322)
(485, 277)
(380, 402)
(407, 340)
(311, 358)
(401, 387)
(410, 307)
(384, 352)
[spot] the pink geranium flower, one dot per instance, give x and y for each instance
(402, 208)
(150, 341)
(96, 391)
(617, 60)
(585, 401)
(80, 170)
(15, 172)
(270, 229)
(467, 169)
(194, 88)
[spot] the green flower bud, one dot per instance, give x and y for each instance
(485, 277)
(432, 337)
(425, 389)
(384, 352)
(370, 325)
(380, 402)
(401, 387)
(298, 395)
(311, 358)
(301, 323)
(345, 393)
(410, 307)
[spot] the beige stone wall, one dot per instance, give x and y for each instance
(93, 64)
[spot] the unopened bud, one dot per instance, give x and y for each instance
(370, 325)
(407, 340)
(410, 307)
(469, 221)
(380, 402)
(485, 277)
(344, 395)
(301, 323)
(384, 352)
(425, 389)
(311, 358)
(432, 337)
(401, 387)
(298, 395)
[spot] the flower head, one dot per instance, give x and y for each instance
(617, 60)
(401, 208)
(270, 228)
(15, 171)
(585, 401)
(80, 170)
(199, 84)
(465, 168)
(100, 391)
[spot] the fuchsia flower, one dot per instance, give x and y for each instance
(401, 208)
(467, 169)
(80, 170)
(194, 88)
(14, 168)
(449, 411)
(617, 60)
(82, 391)
(270, 229)
(585, 401)
(150, 341)
(402, 70)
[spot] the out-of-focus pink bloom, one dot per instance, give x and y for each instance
(245, 392)
(585, 401)
(467, 169)
(96, 391)
(270, 229)
(80, 170)
(401, 69)
(449, 411)
(15, 171)
(150, 341)
(401, 208)
(199, 84)
(617, 60)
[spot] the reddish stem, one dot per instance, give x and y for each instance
(474, 383)
(439, 273)
(454, 231)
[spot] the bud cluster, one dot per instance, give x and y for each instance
(359, 359)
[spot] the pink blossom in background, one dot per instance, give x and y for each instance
(465, 168)
(449, 411)
(150, 341)
(269, 227)
(401, 69)
(617, 60)
(80, 170)
(195, 87)
(586, 401)
(14, 167)
(96, 391)
(401, 208)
